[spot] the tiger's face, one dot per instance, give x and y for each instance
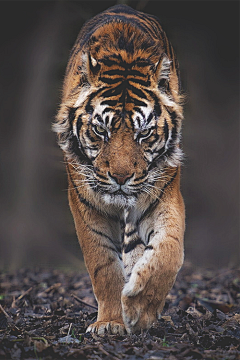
(120, 156)
(125, 123)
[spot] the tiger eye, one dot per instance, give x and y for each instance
(144, 133)
(99, 129)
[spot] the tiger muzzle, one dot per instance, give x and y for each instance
(120, 179)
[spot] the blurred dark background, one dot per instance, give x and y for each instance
(36, 38)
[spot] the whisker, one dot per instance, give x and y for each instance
(152, 190)
(80, 186)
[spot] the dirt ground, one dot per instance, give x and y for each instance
(44, 314)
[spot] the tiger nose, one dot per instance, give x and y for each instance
(120, 178)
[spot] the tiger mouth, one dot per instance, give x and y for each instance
(122, 193)
(119, 191)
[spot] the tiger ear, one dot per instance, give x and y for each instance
(94, 66)
(93, 61)
(89, 69)
(163, 72)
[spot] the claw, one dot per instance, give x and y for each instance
(102, 327)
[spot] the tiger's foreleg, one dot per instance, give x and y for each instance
(154, 273)
(103, 262)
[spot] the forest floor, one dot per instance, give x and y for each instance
(43, 316)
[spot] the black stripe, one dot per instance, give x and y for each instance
(149, 235)
(93, 40)
(100, 267)
(149, 118)
(141, 82)
(71, 115)
(138, 92)
(174, 120)
(108, 62)
(127, 71)
(103, 183)
(157, 107)
(115, 72)
(91, 147)
(130, 233)
(89, 135)
(149, 247)
(166, 130)
(81, 199)
(173, 115)
(150, 151)
(99, 118)
(142, 63)
(101, 176)
(76, 148)
(141, 177)
(159, 153)
(111, 248)
(137, 72)
(121, 42)
(110, 80)
(100, 233)
(140, 111)
(88, 108)
(139, 121)
(154, 204)
(148, 211)
(132, 244)
(136, 101)
(109, 103)
(79, 124)
(107, 120)
(113, 91)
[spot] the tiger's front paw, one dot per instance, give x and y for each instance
(139, 313)
(110, 327)
(141, 304)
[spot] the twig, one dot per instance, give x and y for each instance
(82, 302)
(11, 321)
(46, 291)
(69, 331)
(7, 316)
(25, 293)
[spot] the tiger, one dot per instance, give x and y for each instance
(119, 127)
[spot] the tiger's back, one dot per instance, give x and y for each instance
(119, 126)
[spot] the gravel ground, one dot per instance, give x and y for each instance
(44, 314)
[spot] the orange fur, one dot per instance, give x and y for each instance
(119, 126)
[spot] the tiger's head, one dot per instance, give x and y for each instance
(121, 115)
